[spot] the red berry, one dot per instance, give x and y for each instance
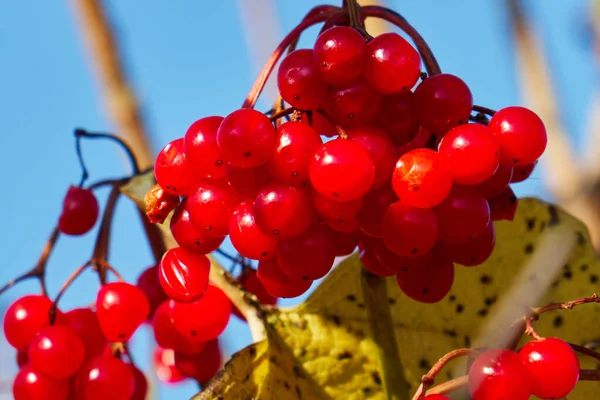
(246, 138)
(463, 216)
(522, 172)
(472, 153)
(149, 283)
(295, 146)
(497, 183)
(329, 209)
(381, 150)
(298, 81)
(105, 377)
(168, 337)
(497, 375)
(421, 179)
(375, 204)
(339, 55)
(79, 213)
(309, 256)
(141, 384)
(370, 261)
(84, 322)
(57, 352)
(202, 366)
(421, 139)
(472, 253)
(553, 367)
(246, 182)
(397, 119)
(188, 236)
(121, 309)
(345, 226)
(246, 237)
(164, 366)
(503, 206)
(429, 283)
(394, 262)
(442, 102)
(393, 65)
(201, 149)
(345, 242)
(210, 207)
(172, 171)
(30, 384)
(279, 284)
(354, 105)
(252, 284)
(409, 231)
(521, 133)
(183, 275)
(342, 170)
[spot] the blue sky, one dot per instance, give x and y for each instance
(190, 59)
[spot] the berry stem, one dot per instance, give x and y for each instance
(449, 386)
(155, 238)
(589, 375)
(355, 20)
(102, 240)
(282, 113)
(79, 133)
(586, 351)
(64, 288)
(341, 132)
(484, 110)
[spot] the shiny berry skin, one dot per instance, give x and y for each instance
(79, 213)
(463, 216)
(164, 366)
(370, 261)
(215, 309)
(522, 172)
(553, 367)
(188, 236)
(25, 318)
(202, 366)
(521, 133)
(397, 119)
(499, 375)
(141, 384)
(283, 211)
(472, 153)
(277, 283)
(246, 237)
(429, 283)
(210, 207)
(420, 140)
(30, 384)
(149, 283)
(57, 352)
(342, 169)
(252, 284)
(497, 183)
(309, 256)
(105, 377)
(246, 138)
(329, 209)
(394, 262)
(246, 182)
(84, 322)
(381, 150)
(393, 65)
(421, 179)
(172, 171)
(121, 309)
(354, 105)
(294, 148)
(375, 204)
(409, 231)
(345, 242)
(345, 225)
(442, 102)
(201, 149)
(183, 275)
(168, 337)
(472, 253)
(299, 82)
(339, 55)
(504, 206)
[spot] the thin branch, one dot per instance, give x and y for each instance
(449, 386)
(586, 351)
(82, 133)
(484, 110)
(103, 238)
(64, 288)
(282, 113)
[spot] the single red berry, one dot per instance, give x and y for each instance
(215, 309)
(381, 150)
(183, 275)
(121, 309)
(201, 149)
(409, 231)
(295, 146)
(397, 118)
(210, 207)
(246, 182)
(164, 366)
(421, 179)
(339, 55)
(30, 384)
(463, 216)
(149, 283)
(442, 102)
(329, 209)
(499, 374)
(57, 352)
(22, 358)
(299, 82)
(553, 367)
(472, 153)
(345, 242)
(105, 377)
(84, 322)
(342, 169)
(375, 204)
(421, 139)
(246, 237)
(188, 236)
(252, 284)
(393, 65)
(503, 206)
(246, 138)
(522, 172)
(168, 337)
(79, 213)
(394, 262)
(343, 225)
(354, 105)
(279, 284)
(370, 261)
(172, 171)
(521, 133)
(202, 366)
(497, 183)
(141, 384)
(429, 283)
(473, 253)
(309, 256)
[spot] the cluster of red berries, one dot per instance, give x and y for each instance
(406, 177)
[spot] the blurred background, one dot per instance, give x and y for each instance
(188, 59)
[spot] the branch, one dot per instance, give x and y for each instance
(103, 239)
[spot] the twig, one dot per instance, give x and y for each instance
(103, 238)
(80, 133)
(586, 351)
(64, 288)
(282, 113)
(484, 110)
(341, 132)
(449, 386)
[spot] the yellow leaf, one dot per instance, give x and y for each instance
(137, 187)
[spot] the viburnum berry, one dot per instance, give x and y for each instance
(354, 105)
(294, 148)
(252, 284)
(246, 182)
(339, 55)
(472, 153)
(105, 377)
(442, 102)
(164, 366)
(202, 366)
(149, 283)
(521, 133)
(172, 171)
(420, 140)
(79, 213)
(472, 253)
(553, 367)
(375, 204)
(381, 150)
(30, 384)
(57, 352)
(246, 237)
(345, 242)
(397, 119)
(343, 225)
(167, 336)
(497, 183)
(329, 209)
(342, 169)
(210, 207)
(141, 384)
(429, 283)
(246, 138)
(84, 322)
(462, 216)
(188, 236)
(392, 65)
(409, 231)
(121, 309)
(522, 172)
(370, 261)
(183, 275)
(499, 374)
(277, 283)
(504, 205)
(421, 179)
(299, 82)
(201, 149)
(394, 262)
